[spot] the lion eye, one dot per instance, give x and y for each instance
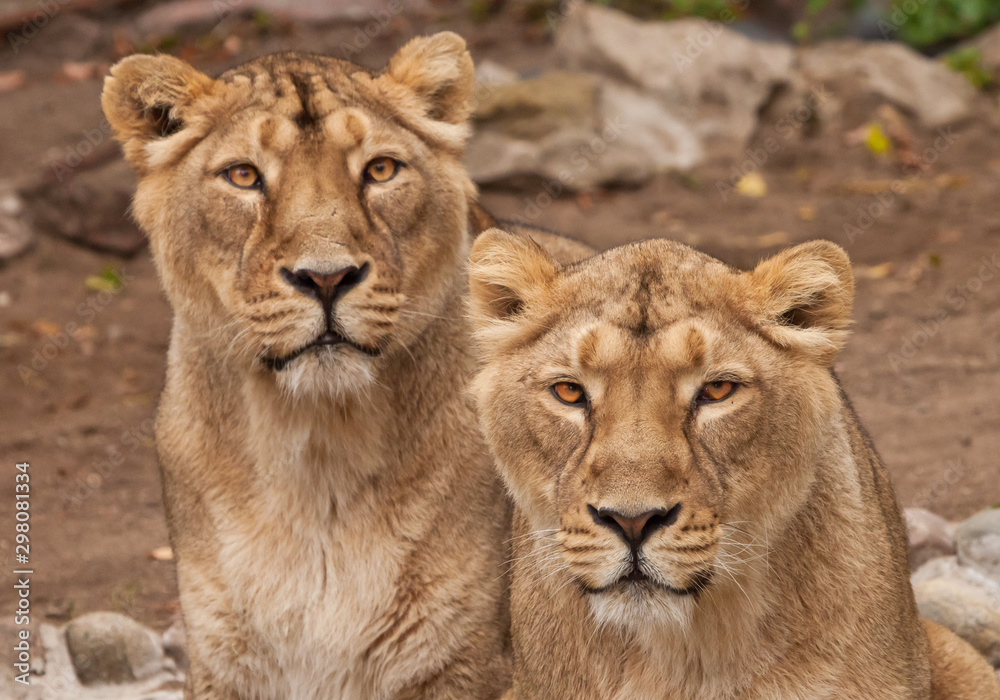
(569, 393)
(381, 169)
(716, 391)
(243, 176)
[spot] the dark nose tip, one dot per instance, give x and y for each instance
(325, 286)
(635, 529)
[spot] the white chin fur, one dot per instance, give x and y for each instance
(330, 373)
(637, 613)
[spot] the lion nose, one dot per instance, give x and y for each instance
(635, 529)
(327, 287)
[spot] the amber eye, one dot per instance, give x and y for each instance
(381, 169)
(569, 393)
(716, 391)
(243, 176)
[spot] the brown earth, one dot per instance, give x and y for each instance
(81, 369)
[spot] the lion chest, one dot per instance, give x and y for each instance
(312, 602)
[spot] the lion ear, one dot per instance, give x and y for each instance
(804, 296)
(506, 272)
(147, 98)
(437, 70)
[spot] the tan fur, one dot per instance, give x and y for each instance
(959, 671)
(778, 570)
(337, 525)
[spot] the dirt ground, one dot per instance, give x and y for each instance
(923, 365)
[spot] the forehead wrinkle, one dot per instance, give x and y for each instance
(605, 348)
(684, 344)
(274, 134)
(348, 127)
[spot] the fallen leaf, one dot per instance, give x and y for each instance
(232, 45)
(874, 272)
(11, 80)
(45, 327)
(78, 71)
(949, 181)
(109, 280)
(164, 553)
(661, 217)
(86, 336)
(752, 185)
(876, 141)
(11, 339)
(772, 239)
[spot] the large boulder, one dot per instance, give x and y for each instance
(988, 46)
(707, 76)
(965, 611)
(978, 542)
(877, 72)
(107, 647)
(574, 131)
(929, 536)
(950, 568)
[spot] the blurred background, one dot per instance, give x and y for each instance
(736, 126)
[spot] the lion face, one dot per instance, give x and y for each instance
(651, 408)
(307, 217)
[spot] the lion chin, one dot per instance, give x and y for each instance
(641, 607)
(332, 372)
(640, 603)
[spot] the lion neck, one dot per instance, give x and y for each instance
(342, 449)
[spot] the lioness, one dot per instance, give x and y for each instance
(337, 524)
(699, 514)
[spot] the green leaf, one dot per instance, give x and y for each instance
(815, 6)
(108, 280)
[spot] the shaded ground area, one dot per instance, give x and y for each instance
(81, 369)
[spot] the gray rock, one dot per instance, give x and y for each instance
(175, 644)
(705, 75)
(892, 72)
(16, 234)
(988, 44)
(491, 73)
(90, 207)
(111, 648)
(167, 18)
(951, 568)
(929, 536)
(965, 611)
(978, 542)
(575, 131)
